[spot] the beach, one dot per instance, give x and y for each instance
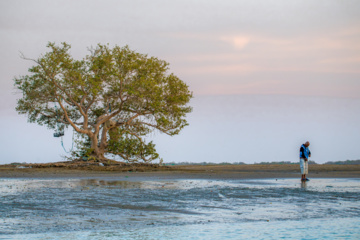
(251, 171)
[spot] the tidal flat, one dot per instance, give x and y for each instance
(138, 206)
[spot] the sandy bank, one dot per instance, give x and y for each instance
(188, 172)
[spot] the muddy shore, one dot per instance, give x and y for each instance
(251, 171)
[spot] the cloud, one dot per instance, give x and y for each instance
(224, 69)
(341, 60)
(238, 42)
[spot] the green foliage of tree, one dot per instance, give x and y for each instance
(115, 97)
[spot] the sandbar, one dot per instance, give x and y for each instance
(248, 171)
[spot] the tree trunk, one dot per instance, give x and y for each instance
(99, 141)
(97, 153)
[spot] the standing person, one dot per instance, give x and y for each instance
(304, 158)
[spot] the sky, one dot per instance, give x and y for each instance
(266, 75)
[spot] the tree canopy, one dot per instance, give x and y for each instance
(113, 98)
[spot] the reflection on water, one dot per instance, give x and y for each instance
(109, 208)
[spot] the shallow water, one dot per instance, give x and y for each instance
(179, 209)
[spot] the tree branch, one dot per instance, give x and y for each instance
(71, 122)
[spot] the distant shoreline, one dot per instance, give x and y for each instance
(253, 171)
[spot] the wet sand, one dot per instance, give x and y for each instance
(253, 171)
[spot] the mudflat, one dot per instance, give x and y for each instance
(250, 171)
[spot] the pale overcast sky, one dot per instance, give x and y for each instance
(266, 75)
